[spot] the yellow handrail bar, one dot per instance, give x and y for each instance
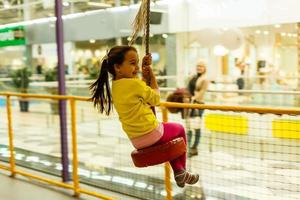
(261, 110)
(74, 147)
(43, 96)
(53, 182)
(4, 167)
(95, 194)
(10, 136)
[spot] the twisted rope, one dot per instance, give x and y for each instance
(141, 23)
(147, 27)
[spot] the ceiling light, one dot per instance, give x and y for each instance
(98, 4)
(164, 35)
(277, 25)
(88, 53)
(92, 41)
(220, 50)
(266, 32)
(97, 53)
(125, 31)
(257, 31)
(283, 34)
(66, 4)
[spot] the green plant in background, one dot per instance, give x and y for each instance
(21, 79)
(93, 73)
(51, 75)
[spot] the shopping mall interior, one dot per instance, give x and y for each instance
(244, 142)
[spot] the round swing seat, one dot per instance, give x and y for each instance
(158, 154)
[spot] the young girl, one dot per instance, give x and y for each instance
(132, 99)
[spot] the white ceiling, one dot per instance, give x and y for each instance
(20, 10)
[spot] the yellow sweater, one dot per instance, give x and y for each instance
(132, 99)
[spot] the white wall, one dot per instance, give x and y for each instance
(49, 52)
(191, 15)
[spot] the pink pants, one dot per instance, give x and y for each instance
(172, 131)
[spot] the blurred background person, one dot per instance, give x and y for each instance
(197, 86)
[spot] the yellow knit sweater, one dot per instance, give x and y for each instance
(132, 99)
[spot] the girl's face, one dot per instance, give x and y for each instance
(130, 66)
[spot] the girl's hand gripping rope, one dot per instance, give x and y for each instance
(146, 69)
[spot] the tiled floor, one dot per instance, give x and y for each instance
(21, 188)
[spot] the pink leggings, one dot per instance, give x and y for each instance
(172, 131)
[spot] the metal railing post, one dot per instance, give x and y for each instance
(10, 136)
(74, 147)
(167, 165)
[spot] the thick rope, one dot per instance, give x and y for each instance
(146, 41)
(147, 33)
(141, 23)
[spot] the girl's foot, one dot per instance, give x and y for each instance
(183, 177)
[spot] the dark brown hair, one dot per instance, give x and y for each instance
(101, 95)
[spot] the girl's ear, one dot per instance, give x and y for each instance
(116, 67)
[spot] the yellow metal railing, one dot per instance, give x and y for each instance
(249, 109)
(75, 186)
(167, 165)
(12, 168)
(230, 139)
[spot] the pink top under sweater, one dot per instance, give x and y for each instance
(149, 138)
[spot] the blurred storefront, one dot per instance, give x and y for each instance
(233, 38)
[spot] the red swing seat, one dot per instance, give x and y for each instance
(158, 154)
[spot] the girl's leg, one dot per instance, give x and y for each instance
(172, 131)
